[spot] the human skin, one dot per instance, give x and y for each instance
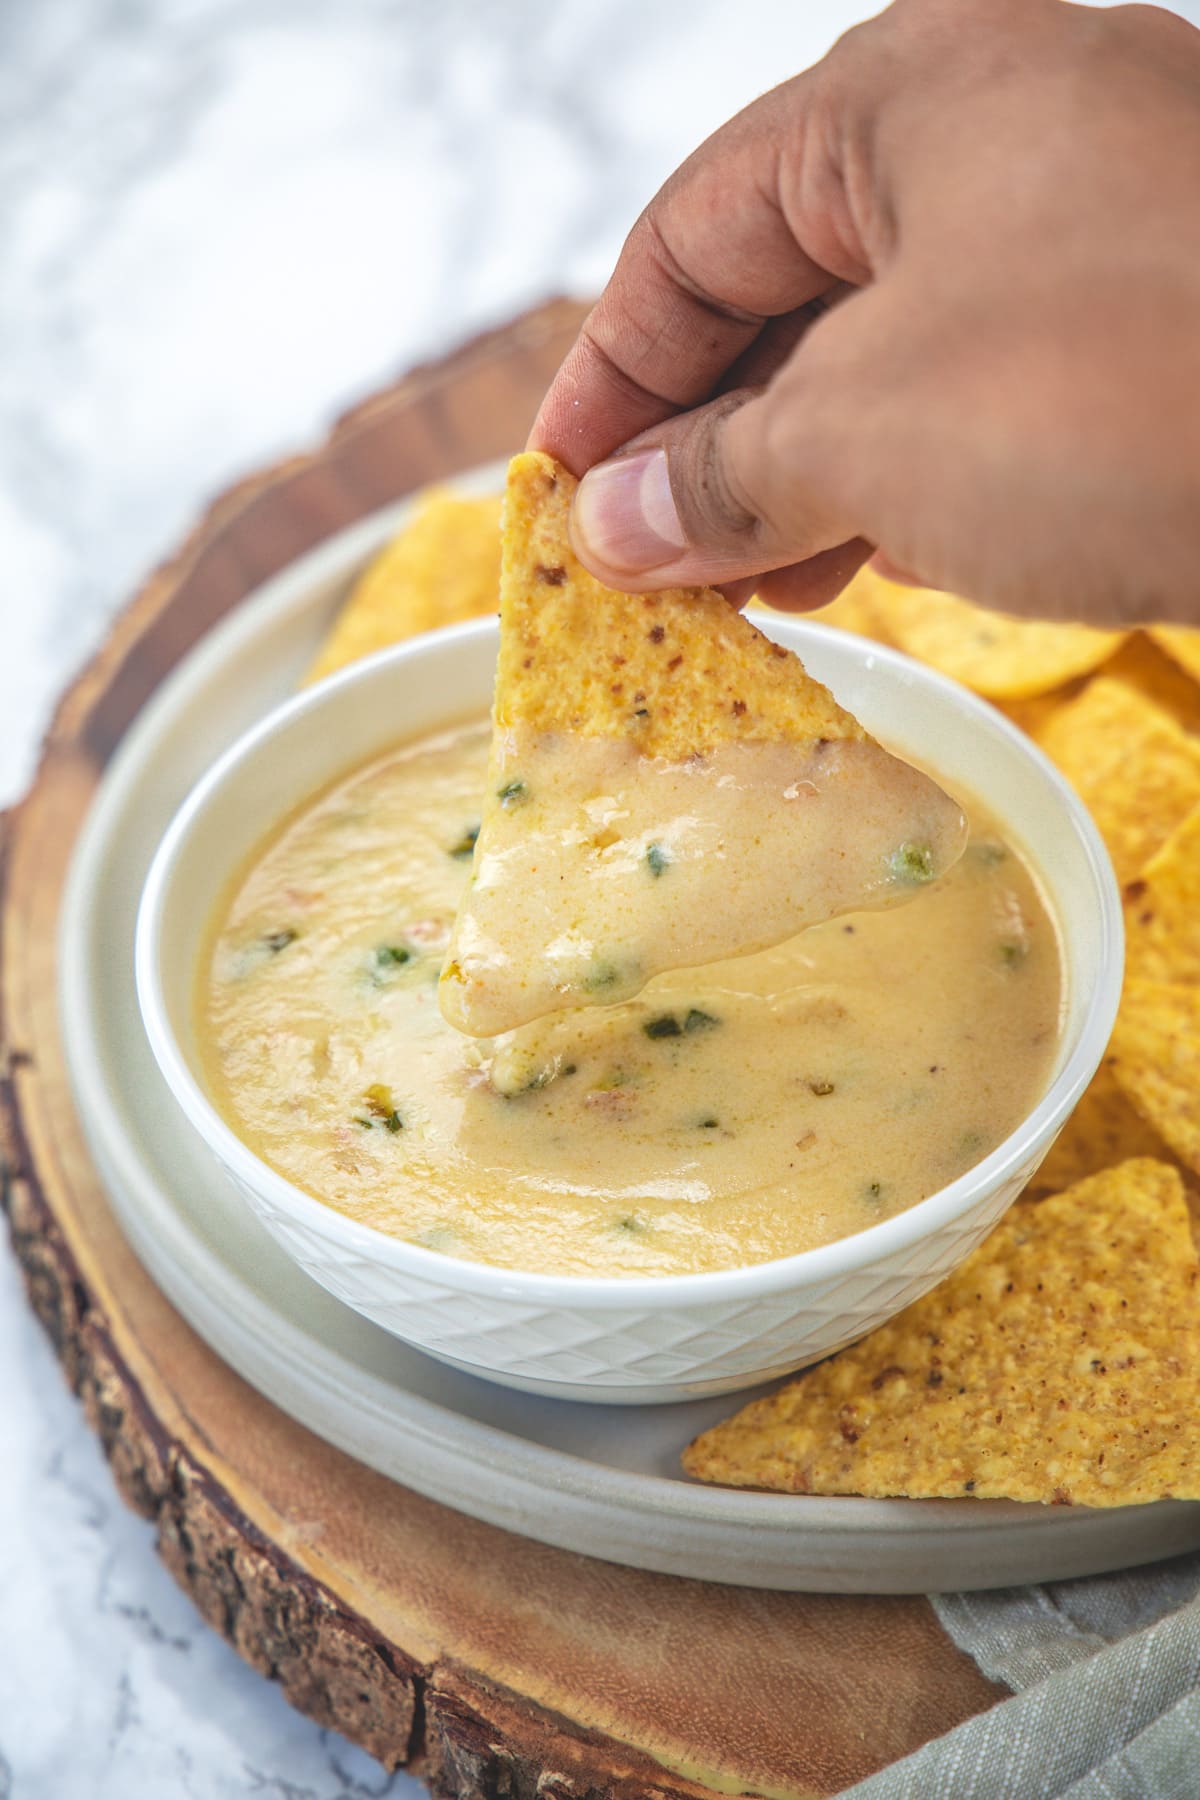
(937, 298)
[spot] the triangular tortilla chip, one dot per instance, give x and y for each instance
(1002, 657)
(1182, 645)
(442, 568)
(666, 787)
(1144, 664)
(1104, 1129)
(854, 611)
(678, 672)
(1059, 1364)
(1162, 911)
(1136, 771)
(1155, 1056)
(1033, 715)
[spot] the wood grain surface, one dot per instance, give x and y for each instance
(487, 1664)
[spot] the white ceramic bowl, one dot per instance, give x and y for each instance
(626, 1339)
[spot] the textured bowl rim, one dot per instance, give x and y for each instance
(804, 1269)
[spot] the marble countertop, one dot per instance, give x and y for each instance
(221, 222)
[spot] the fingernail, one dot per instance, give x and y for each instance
(624, 514)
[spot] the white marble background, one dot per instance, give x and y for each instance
(222, 221)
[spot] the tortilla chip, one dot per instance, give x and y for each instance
(1145, 666)
(1162, 911)
(679, 671)
(1033, 715)
(854, 610)
(1155, 1056)
(1182, 645)
(1058, 1364)
(1104, 1129)
(443, 567)
(1002, 657)
(1136, 771)
(605, 692)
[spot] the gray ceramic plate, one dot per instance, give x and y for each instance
(601, 1480)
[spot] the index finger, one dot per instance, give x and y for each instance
(711, 260)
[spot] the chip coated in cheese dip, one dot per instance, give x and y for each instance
(599, 867)
(728, 1115)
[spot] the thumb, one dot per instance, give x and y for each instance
(728, 490)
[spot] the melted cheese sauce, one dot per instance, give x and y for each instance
(730, 1114)
(618, 867)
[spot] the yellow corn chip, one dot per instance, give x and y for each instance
(708, 732)
(1058, 1364)
(681, 671)
(442, 568)
(1137, 772)
(1182, 645)
(1155, 1056)
(1103, 1130)
(1144, 665)
(1033, 715)
(1162, 911)
(854, 610)
(1002, 657)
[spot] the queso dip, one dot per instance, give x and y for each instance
(617, 866)
(729, 1114)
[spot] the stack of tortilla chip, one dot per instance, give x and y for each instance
(1098, 1408)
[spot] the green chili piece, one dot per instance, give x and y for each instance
(276, 941)
(465, 846)
(699, 1020)
(666, 1025)
(513, 793)
(600, 976)
(658, 858)
(543, 1077)
(382, 1108)
(392, 956)
(912, 863)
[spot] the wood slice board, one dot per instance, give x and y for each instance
(485, 1663)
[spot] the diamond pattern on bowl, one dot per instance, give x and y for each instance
(637, 1351)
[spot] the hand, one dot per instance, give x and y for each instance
(939, 295)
